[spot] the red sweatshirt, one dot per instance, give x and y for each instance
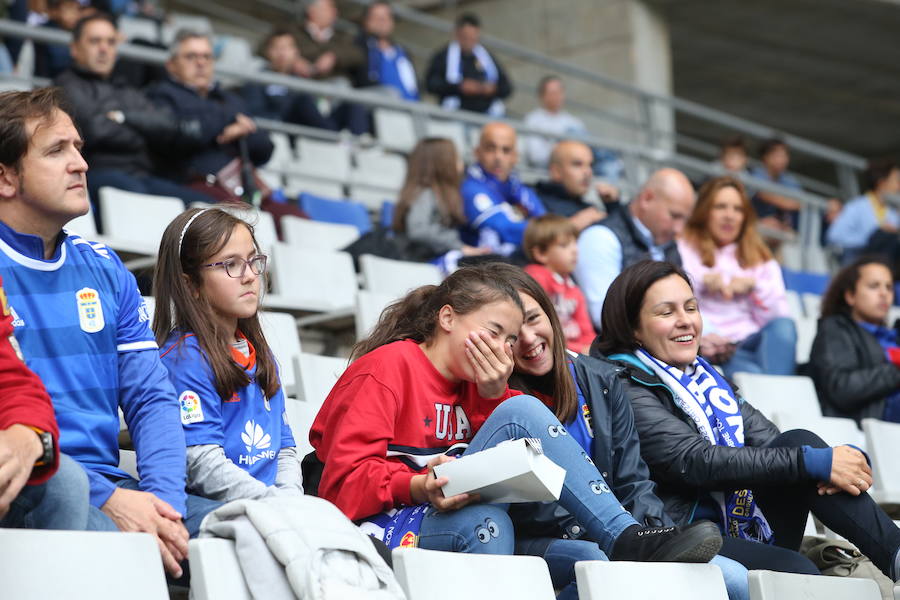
(24, 400)
(386, 417)
(570, 305)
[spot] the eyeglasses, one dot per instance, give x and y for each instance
(236, 267)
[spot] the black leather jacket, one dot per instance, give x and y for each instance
(851, 372)
(616, 455)
(683, 463)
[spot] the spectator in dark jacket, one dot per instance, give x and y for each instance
(281, 103)
(121, 127)
(387, 63)
(326, 52)
(855, 356)
(716, 457)
(40, 488)
(191, 92)
(588, 398)
(52, 59)
(571, 178)
(464, 75)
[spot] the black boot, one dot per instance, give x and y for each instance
(696, 543)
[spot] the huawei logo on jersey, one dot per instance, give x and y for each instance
(255, 438)
(447, 427)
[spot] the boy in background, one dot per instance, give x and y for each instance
(551, 245)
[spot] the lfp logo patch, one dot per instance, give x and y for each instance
(90, 311)
(191, 410)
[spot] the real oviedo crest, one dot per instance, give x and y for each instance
(90, 311)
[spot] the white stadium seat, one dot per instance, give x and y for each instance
(601, 580)
(806, 335)
(395, 129)
(376, 168)
(318, 374)
(769, 585)
(307, 280)
(883, 447)
(834, 430)
(396, 277)
(452, 130)
(280, 331)
(321, 160)
(80, 565)
(779, 394)
(306, 233)
(138, 218)
(369, 306)
(215, 571)
(372, 197)
(812, 304)
(294, 186)
(795, 305)
(432, 575)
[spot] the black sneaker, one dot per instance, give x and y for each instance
(696, 543)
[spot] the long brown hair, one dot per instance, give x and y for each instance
(621, 314)
(179, 306)
(558, 382)
(751, 250)
(834, 302)
(433, 164)
(415, 315)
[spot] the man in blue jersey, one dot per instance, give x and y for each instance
(82, 326)
(496, 203)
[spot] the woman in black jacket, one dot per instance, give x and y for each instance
(851, 356)
(713, 455)
(587, 396)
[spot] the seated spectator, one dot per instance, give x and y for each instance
(41, 487)
(551, 244)
(325, 52)
(82, 327)
(645, 229)
(429, 210)
(774, 210)
(387, 64)
(855, 359)
(207, 281)
(738, 282)
(733, 157)
(496, 204)
(713, 455)
(441, 356)
(281, 103)
(867, 224)
(52, 59)
(121, 127)
(571, 177)
(464, 75)
(588, 398)
(191, 93)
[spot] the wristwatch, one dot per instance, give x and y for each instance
(47, 444)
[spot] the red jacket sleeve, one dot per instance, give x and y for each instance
(583, 320)
(24, 400)
(351, 435)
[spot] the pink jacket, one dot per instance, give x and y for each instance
(742, 316)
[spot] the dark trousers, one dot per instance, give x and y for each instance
(303, 110)
(786, 507)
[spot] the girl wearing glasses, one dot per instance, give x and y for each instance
(207, 287)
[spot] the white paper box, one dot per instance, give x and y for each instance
(512, 471)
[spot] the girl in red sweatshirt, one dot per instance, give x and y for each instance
(429, 383)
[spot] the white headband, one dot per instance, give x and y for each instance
(186, 226)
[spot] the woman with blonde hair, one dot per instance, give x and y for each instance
(738, 283)
(429, 210)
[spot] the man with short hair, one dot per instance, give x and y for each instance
(83, 328)
(191, 92)
(774, 210)
(497, 205)
(122, 129)
(645, 229)
(324, 51)
(387, 63)
(464, 75)
(552, 117)
(571, 178)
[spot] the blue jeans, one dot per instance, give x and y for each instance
(62, 502)
(585, 494)
(197, 508)
(561, 556)
(770, 351)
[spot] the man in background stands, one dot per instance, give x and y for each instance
(387, 63)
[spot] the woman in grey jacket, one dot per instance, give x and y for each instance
(713, 455)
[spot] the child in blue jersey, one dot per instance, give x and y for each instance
(207, 287)
(585, 395)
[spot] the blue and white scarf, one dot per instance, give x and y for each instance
(703, 395)
(453, 75)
